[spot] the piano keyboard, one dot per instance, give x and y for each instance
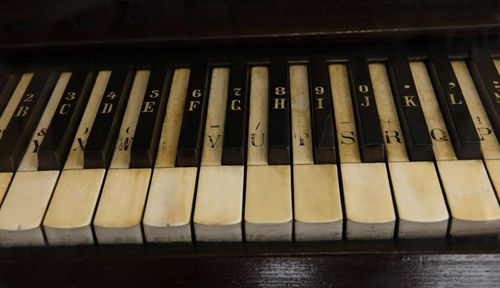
(277, 152)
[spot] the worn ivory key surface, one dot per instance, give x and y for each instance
(5, 177)
(69, 216)
(471, 200)
(490, 147)
(169, 206)
(268, 202)
(24, 206)
(119, 212)
(219, 199)
(318, 211)
(367, 194)
(421, 207)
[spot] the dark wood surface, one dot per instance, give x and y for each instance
(473, 262)
(116, 24)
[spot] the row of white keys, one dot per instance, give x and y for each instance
(417, 193)
(119, 212)
(471, 201)
(24, 205)
(69, 217)
(268, 199)
(219, 199)
(317, 203)
(367, 193)
(169, 206)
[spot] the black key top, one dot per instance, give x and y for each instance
(103, 134)
(235, 127)
(322, 112)
(487, 81)
(371, 143)
(59, 137)
(454, 108)
(25, 118)
(411, 116)
(278, 152)
(148, 130)
(10, 82)
(193, 124)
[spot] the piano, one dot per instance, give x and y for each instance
(250, 143)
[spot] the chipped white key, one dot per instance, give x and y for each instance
(24, 206)
(69, 216)
(473, 206)
(367, 194)
(219, 199)
(268, 202)
(119, 212)
(420, 203)
(317, 206)
(168, 210)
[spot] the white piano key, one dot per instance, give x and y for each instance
(219, 199)
(317, 206)
(119, 212)
(24, 206)
(6, 177)
(168, 209)
(420, 203)
(490, 147)
(268, 202)
(69, 216)
(367, 194)
(471, 200)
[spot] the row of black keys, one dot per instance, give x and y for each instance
(99, 147)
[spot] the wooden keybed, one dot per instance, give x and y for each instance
(215, 29)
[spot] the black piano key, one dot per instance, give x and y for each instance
(149, 125)
(411, 116)
(190, 143)
(371, 143)
(454, 108)
(8, 86)
(25, 118)
(62, 128)
(235, 127)
(100, 144)
(278, 149)
(322, 112)
(487, 81)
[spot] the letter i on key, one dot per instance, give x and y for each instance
(268, 202)
(471, 200)
(219, 199)
(367, 195)
(417, 192)
(317, 204)
(119, 212)
(169, 207)
(24, 206)
(69, 217)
